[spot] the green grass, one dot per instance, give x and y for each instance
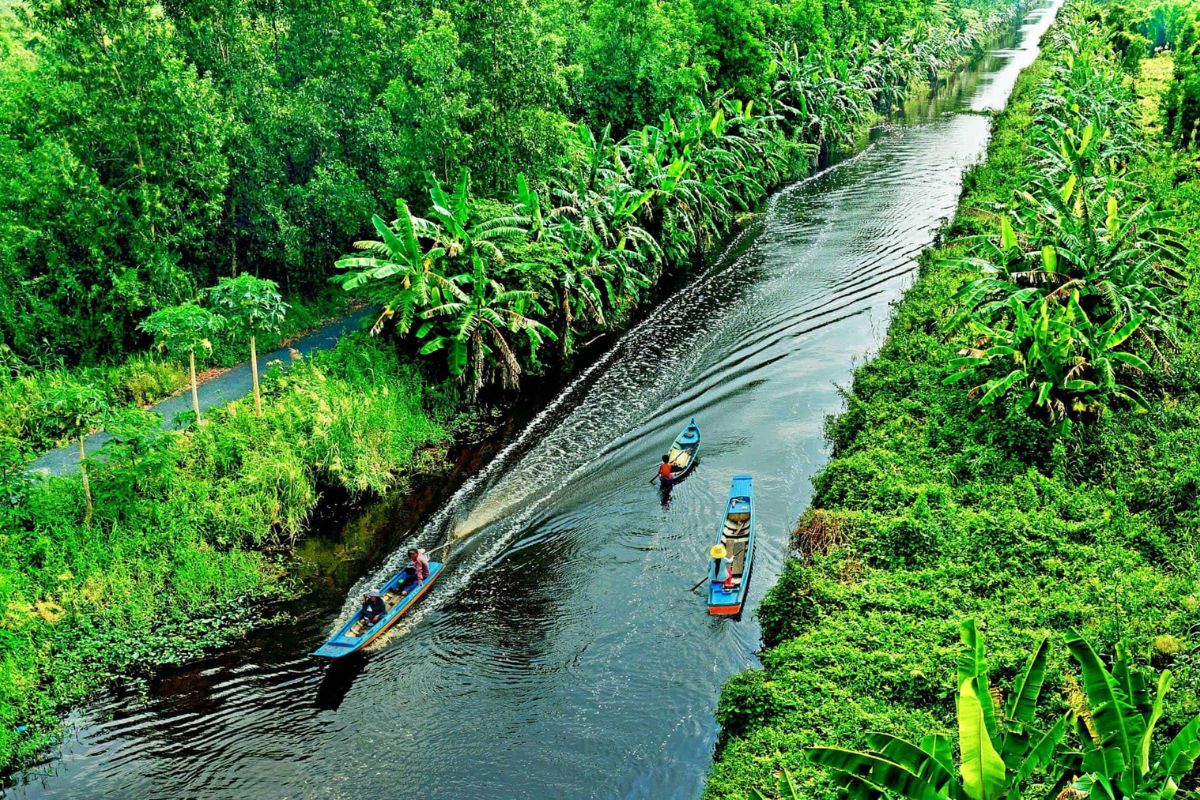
(140, 380)
(932, 511)
(189, 526)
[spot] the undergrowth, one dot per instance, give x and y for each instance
(190, 527)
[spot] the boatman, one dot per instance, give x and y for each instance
(666, 472)
(416, 571)
(373, 607)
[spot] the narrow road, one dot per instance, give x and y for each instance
(217, 391)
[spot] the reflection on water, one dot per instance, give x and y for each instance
(563, 655)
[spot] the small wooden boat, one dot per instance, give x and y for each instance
(359, 632)
(731, 556)
(682, 455)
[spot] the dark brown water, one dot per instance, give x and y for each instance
(563, 655)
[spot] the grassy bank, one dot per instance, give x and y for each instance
(138, 380)
(933, 510)
(190, 527)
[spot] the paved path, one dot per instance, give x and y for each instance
(216, 391)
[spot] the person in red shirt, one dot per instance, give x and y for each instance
(666, 471)
(416, 571)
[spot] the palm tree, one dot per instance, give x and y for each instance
(472, 328)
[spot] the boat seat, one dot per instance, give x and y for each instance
(736, 531)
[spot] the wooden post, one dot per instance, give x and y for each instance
(195, 394)
(87, 487)
(254, 377)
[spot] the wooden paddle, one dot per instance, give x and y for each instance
(697, 586)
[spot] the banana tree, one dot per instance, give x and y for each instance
(1051, 357)
(998, 752)
(400, 272)
(472, 329)
(456, 233)
(185, 328)
(255, 307)
(1118, 759)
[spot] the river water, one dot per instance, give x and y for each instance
(563, 655)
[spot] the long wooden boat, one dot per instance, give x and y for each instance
(732, 555)
(682, 455)
(359, 632)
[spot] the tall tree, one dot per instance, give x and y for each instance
(77, 408)
(254, 307)
(126, 190)
(428, 109)
(639, 58)
(184, 328)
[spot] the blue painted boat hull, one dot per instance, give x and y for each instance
(736, 535)
(684, 451)
(343, 643)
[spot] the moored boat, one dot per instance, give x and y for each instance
(731, 556)
(359, 632)
(682, 455)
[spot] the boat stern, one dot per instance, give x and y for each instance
(334, 649)
(724, 610)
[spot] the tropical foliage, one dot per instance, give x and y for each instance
(1079, 295)
(577, 248)
(1002, 749)
(930, 512)
(147, 148)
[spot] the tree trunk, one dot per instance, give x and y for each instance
(254, 377)
(195, 393)
(87, 487)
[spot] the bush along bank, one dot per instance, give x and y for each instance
(1054, 500)
(183, 528)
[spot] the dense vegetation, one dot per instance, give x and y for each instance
(184, 526)
(147, 148)
(559, 157)
(935, 509)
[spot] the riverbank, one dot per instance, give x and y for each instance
(933, 510)
(224, 549)
(189, 529)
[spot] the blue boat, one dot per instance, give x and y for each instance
(682, 455)
(358, 632)
(731, 556)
